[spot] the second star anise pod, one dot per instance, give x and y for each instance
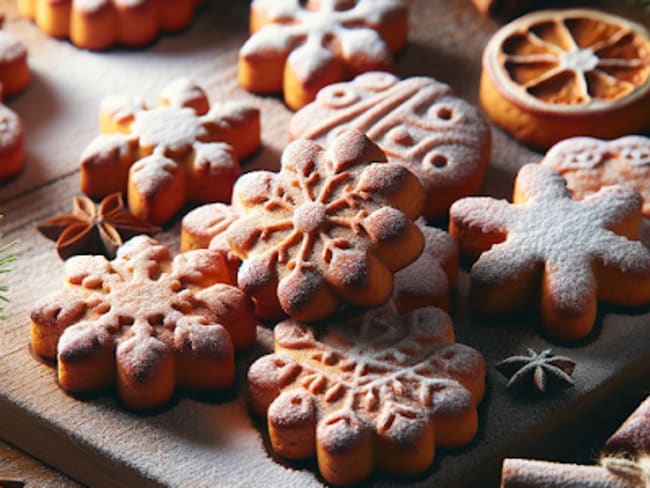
(537, 370)
(94, 229)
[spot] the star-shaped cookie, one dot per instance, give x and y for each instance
(567, 254)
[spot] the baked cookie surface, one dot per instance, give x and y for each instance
(375, 391)
(161, 157)
(299, 47)
(555, 74)
(332, 226)
(568, 253)
(418, 122)
(101, 24)
(143, 322)
(588, 164)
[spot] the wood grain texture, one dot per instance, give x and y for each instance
(212, 440)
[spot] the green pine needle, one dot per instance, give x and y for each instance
(5, 259)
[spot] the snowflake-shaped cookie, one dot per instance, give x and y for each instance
(376, 390)
(300, 47)
(333, 225)
(143, 322)
(418, 122)
(588, 164)
(429, 279)
(573, 252)
(166, 155)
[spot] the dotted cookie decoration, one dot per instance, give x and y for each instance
(143, 322)
(573, 252)
(378, 390)
(332, 226)
(417, 122)
(299, 47)
(161, 157)
(588, 164)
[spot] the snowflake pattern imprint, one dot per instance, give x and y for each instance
(418, 122)
(572, 253)
(144, 322)
(161, 157)
(332, 226)
(377, 390)
(588, 164)
(299, 48)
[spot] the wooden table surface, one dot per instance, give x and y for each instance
(59, 111)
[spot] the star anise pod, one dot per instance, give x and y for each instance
(94, 229)
(539, 370)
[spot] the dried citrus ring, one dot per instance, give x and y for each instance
(559, 73)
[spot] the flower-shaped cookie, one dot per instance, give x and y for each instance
(570, 252)
(588, 164)
(418, 122)
(376, 390)
(429, 280)
(299, 47)
(14, 77)
(100, 24)
(143, 322)
(164, 156)
(333, 225)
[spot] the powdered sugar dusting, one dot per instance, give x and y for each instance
(316, 221)
(11, 49)
(207, 222)
(11, 129)
(376, 372)
(145, 307)
(416, 122)
(588, 164)
(314, 36)
(550, 229)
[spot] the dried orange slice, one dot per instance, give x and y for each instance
(559, 73)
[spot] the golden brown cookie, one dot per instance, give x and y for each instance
(143, 322)
(417, 122)
(182, 150)
(430, 279)
(588, 164)
(101, 24)
(14, 77)
(332, 226)
(298, 47)
(564, 254)
(555, 74)
(374, 391)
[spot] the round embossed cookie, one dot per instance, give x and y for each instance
(182, 150)
(429, 280)
(298, 47)
(588, 164)
(143, 322)
(566, 254)
(101, 24)
(378, 390)
(332, 226)
(417, 122)
(555, 74)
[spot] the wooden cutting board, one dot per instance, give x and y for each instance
(213, 440)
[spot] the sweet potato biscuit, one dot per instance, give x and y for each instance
(163, 156)
(566, 253)
(299, 47)
(378, 390)
(144, 323)
(332, 226)
(418, 122)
